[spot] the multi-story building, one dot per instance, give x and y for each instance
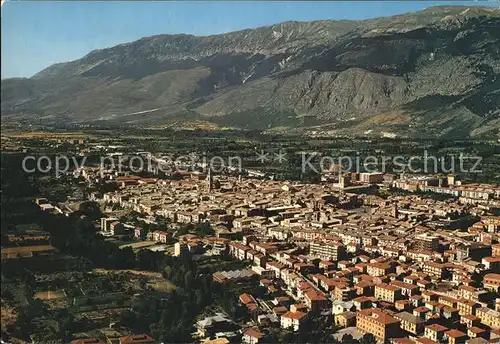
(279, 233)
(263, 248)
(343, 293)
(448, 301)
(421, 312)
(242, 222)
(315, 301)
(492, 223)
(160, 236)
(238, 250)
(326, 265)
(387, 292)
(327, 251)
(371, 178)
(365, 288)
(378, 269)
(106, 222)
(264, 273)
(466, 291)
(260, 259)
(140, 233)
(410, 322)
(345, 319)
(426, 242)
(293, 320)
(252, 336)
(469, 320)
(407, 289)
(492, 282)
(489, 317)
(495, 250)
(455, 336)
(477, 332)
(465, 306)
(276, 267)
(474, 251)
(491, 263)
(435, 332)
(434, 269)
(184, 217)
(377, 322)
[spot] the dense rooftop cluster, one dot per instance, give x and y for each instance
(405, 268)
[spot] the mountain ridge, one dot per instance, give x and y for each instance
(349, 23)
(291, 75)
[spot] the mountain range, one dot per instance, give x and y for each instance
(433, 73)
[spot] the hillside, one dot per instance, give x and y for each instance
(431, 73)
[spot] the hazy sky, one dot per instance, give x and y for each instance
(36, 34)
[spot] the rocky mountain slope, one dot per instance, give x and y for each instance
(431, 73)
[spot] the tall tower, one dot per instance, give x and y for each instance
(394, 211)
(210, 179)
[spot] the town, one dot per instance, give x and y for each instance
(370, 257)
(257, 172)
(395, 267)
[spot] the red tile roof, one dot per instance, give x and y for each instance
(379, 316)
(424, 340)
(254, 333)
(455, 333)
(294, 315)
(437, 328)
(245, 299)
(476, 330)
(88, 341)
(136, 338)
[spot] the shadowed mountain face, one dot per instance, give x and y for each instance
(432, 73)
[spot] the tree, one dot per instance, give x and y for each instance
(204, 229)
(127, 318)
(90, 209)
(167, 273)
(288, 337)
(65, 321)
(188, 281)
(349, 339)
(368, 338)
(142, 283)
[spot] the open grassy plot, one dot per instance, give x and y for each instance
(153, 279)
(49, 295)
